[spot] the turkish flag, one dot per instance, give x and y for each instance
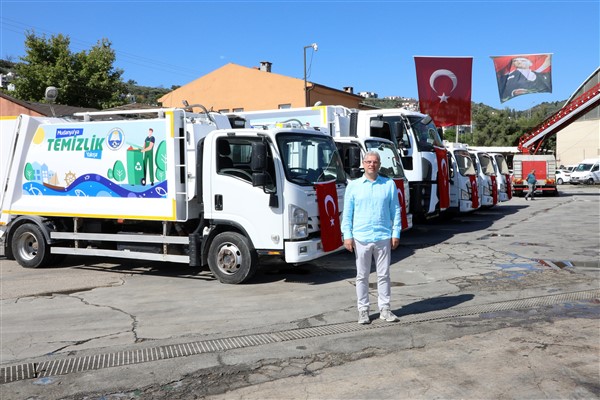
(444, 85)
(443, 180)
(474, 191)
(494, 190)
(403, 217)
(327, 200)
(508, 186)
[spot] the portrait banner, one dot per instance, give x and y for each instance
(444, 86)
(327, 200)
(523, 74)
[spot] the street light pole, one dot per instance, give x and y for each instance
(315, 47)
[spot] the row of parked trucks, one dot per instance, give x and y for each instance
(223, 191)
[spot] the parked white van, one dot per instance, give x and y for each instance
(588, 171)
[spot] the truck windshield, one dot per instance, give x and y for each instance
(486, 164)
(390, 163)
(309, 159)
(464, 162)
(426, 134)
(584, 167)
(502, 165)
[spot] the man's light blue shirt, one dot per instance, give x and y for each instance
(371, 210)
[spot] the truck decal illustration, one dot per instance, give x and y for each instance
(98, 160)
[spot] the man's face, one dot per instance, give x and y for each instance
(520, 63)
(371, 164)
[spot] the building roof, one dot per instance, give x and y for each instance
(46, 108)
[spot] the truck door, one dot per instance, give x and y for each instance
(234, 201)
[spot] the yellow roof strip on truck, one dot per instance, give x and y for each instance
(173, 216)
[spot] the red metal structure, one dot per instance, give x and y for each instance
(530, 142)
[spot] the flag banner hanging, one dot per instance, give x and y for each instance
(443, 178)
(508, 186)
(474, 192)
(327, 200)
(403, 217)
(523, 74)
(494, 190)
(444, 85)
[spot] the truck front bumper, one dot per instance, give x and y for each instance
(305, 250)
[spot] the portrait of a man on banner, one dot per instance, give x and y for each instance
(523, 74)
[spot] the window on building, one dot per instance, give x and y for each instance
(224, 110)
(282, 106)
(238, 109)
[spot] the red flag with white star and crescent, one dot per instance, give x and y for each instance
(402, 200)
(444, 85)
(474, 192)
(327, 200)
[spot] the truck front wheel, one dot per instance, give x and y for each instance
(231, 258)
(29, 246)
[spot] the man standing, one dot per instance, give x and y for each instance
(531, 181)
(371, 228)
(148, 152)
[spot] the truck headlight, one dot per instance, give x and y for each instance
(298, 222)
(464, 195)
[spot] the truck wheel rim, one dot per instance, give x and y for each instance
(28, 246)
(229, 259)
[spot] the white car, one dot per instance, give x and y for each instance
(562, 176)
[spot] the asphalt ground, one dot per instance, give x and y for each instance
(500, 303)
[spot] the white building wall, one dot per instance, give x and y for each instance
(577, 141)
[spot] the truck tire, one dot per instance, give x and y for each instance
(231, 258)
(29, 246)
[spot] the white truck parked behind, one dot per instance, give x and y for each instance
(335, 121)
(464, 185)
(488, 188)
(422, 152)
(165, 186)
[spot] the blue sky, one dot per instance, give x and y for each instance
(368, 45)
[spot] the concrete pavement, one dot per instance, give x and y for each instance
(490, 272)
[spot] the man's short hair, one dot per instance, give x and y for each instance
(373, 153)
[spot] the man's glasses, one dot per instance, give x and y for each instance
(370, 162)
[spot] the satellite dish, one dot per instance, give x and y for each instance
(51, 94)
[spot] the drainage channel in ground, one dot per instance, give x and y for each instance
(70, 365)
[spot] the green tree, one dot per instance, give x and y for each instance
(29, 172)
(161, 161)
(84, 79)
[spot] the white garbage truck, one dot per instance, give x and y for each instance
(340, 123)
(166, 185)
(488, 187)
(422, 152)
(464, 181)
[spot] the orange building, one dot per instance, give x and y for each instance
(236, 88)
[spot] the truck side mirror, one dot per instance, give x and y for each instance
(353, 157)
(259, 179)
(355, 173)
(258, 162)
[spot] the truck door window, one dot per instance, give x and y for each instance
(234, 155)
